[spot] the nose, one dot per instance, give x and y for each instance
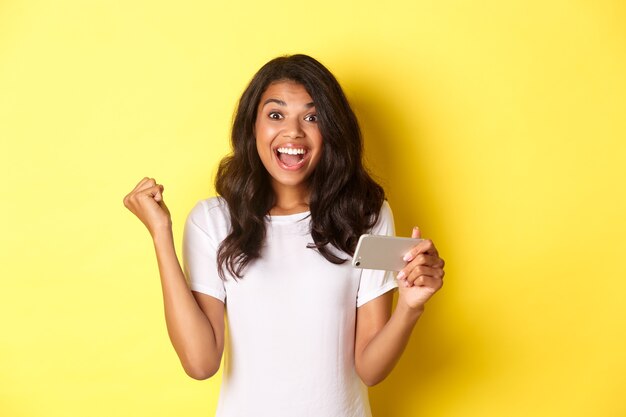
(293, 129)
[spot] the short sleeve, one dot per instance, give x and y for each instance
(374, 283)
(200, 253)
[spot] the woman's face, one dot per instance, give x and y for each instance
(287, 135)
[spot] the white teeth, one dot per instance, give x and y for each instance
(291, 151)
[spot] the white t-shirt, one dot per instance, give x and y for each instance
(291, 318)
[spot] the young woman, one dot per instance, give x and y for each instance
(306, 331)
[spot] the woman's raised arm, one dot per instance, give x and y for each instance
(195, 322)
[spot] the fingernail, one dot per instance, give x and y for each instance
(407, 257)
(401, 275)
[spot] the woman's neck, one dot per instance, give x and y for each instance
(290, 200)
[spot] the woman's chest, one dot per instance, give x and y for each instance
(290, 277)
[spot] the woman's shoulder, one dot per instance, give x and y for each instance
(385, 209)
(385, 213)
(211, 211)
(385, 224)
(210, 205)
(215, 203)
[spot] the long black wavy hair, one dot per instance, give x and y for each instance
(344, 201)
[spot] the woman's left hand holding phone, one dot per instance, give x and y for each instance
(423, 275)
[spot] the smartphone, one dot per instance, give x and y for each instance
(382, 252)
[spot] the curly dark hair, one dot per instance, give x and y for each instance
(344, 202)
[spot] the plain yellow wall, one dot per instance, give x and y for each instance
(499, 127)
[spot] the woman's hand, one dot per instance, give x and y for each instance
(146, 202)
(422, 276)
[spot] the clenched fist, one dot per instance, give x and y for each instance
(146, 202)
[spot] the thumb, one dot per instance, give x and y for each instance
(158, 194)
(416, 234)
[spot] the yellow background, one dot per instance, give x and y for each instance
(497, 126)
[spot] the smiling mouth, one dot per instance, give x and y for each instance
(291, 157)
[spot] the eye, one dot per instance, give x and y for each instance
(311, 118)
(275, 115)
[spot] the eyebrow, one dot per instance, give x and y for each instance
(282, 103)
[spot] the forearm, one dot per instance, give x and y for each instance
(381, 354)
(189, 329)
